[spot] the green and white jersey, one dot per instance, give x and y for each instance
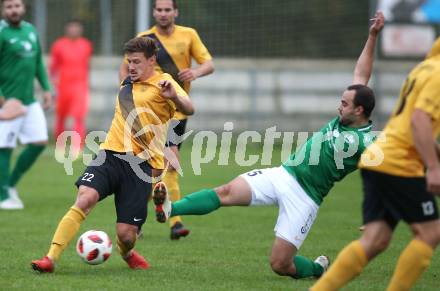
(327, 157)
(20, 62)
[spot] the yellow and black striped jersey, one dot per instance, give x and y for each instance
(421, 90)
(141, 119)
(176, 52)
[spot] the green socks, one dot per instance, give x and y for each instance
(198, 203)
(25, 161)
(5, 161)
(306, 268)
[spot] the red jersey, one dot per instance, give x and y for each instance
(70, 63)
(69, 67)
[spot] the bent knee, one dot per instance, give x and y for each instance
(376, 246)
(382, 244)
(430, 235)
(126, 238)
(281, 267)
(126, 233)
(87, 198)
(223, 192)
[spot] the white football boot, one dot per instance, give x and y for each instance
(13, 202)
(13, 193)
(323, 261)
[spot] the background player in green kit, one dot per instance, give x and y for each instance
(300, 184)
(20, 63)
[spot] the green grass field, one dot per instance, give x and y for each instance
(226, 250)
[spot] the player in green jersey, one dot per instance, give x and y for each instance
(300, 184)
(20, 62)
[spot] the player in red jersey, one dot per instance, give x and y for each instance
(69, 70)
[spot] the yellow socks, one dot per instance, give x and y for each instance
(352, 259)
(123, 249)
(66, 230)
(414, 259)
(171, 179)
(349, 263)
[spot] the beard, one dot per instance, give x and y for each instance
(345, 121)
(15, 19)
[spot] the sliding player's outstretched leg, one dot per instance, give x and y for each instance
(237, 192)
(324, 262)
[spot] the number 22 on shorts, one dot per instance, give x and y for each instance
(88, 177)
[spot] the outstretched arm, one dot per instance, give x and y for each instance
(364, 65)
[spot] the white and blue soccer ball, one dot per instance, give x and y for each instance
(94, 247)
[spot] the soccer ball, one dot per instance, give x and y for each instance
(94, 247)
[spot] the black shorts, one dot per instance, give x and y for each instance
(109, 174)
(393, 198)
(175, 131)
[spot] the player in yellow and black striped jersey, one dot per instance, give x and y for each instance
(143, 100)
(146, 102)
(400, 174)
(178, 46)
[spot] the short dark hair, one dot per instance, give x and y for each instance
(141, 44)
(3, 1)
(174, 4)
(364, 97)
